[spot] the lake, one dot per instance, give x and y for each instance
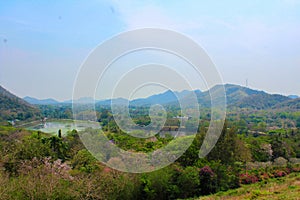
(52, 126)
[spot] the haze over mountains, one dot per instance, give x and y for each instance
(32, 100)
(13, 107)
(237, 96)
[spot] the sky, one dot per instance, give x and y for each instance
(43, 44)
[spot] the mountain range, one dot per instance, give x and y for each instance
(35, 101)
(237, 96)
(12, 107)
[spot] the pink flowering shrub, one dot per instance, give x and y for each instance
(44, 179)
(296, 169)
(264, 176)
(45, 167)
(207, 180)
(279, 173)
(206, 171)
(248, 178)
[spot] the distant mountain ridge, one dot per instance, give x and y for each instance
(236, 96)
(13, 107)
(293, 96)
(35, 101)
(167, 97)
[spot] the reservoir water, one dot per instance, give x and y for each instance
(52, 126)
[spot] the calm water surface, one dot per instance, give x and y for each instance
(63, 125)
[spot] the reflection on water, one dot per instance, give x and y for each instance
(67, 125)
(64, 126)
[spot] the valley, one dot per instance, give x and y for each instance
(41, 147)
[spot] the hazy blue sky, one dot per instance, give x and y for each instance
(43, 43)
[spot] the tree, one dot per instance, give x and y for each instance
(59, 133)
(57, 145)
(229, 148)
(191, 155)
(159, 184)
(280, 148)
(207, 181)
(84, 161)
(189, 182)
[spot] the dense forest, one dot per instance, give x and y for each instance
(40, 166)
(257, 145)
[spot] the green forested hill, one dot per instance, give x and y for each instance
(291, 105)
(236, 97)
(261, 101)
(13, 107)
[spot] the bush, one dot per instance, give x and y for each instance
(84, 161)
(280, 161)
(207, 181)
(279, 173)
(189, 182)
(248, 178)
(160, 184)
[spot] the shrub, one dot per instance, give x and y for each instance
(160, 184)
(279, 173)
(280, 161)
(207, 181)
(189, 182)
(248, 178)
(264, 176)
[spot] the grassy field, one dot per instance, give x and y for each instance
(282, 188)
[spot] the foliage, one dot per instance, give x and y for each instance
(207, 180)
(281, 188)
(41, 166)
(14, 108)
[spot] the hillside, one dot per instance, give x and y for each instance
(243, 97)
(283, 188)
(13, 107)
(261, 101)
(236, 96)
(291, 105)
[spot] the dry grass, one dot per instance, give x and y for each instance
(283, 188)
